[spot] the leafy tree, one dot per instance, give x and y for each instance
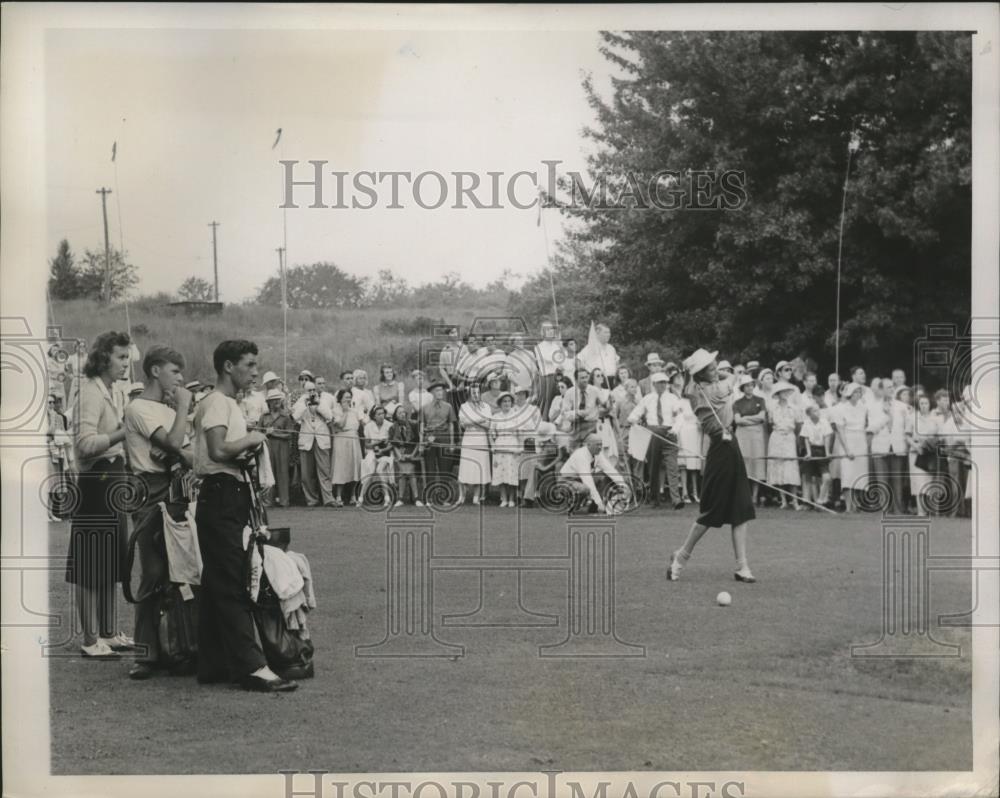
(319, 285)
(781, 107)
(195, 289)
(387, 289)
(123, 276)
(64, 278)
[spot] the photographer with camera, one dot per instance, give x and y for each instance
(227, 640)
(313, 412)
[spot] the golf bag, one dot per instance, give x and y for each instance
(289, 652)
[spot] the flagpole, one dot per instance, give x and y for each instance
(548, 259)
(284, 278)
(121, 243)
(852, 147)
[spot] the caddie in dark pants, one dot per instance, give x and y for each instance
(227, 641)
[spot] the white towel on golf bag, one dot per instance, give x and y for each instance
(264, 471)
(183, 552)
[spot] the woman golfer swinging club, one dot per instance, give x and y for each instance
(725, 492)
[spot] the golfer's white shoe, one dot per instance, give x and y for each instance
(674, 569)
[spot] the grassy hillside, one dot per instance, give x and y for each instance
(325, 341)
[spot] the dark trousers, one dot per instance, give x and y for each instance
(899, 481)
(663, 455)
(437, 463)
(279, 451)
(227, 638)
(881, 476)
(153, 568)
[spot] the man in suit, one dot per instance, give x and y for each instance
(437, 432)
(313, 412)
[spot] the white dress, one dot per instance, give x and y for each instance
(474, 468)
(506, 447)
(854, 473)
(782, 465)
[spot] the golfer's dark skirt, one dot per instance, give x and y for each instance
(98, 537)
(725, 488)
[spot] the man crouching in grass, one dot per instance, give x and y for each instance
(227, 643)
(579, 471)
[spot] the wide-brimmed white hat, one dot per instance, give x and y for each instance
(725, 364)
(849, 389)
(268, 376)
(653, 358)
(745, 379)
(698, 359)
(781, 387)
(546, 431)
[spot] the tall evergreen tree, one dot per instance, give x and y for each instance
(782, 108)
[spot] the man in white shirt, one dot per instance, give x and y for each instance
(313, 412)
(601, 355)
(660, 411)
(549, 358)
(227, 637)
(578, 472)
(254, 405)
(584, 400)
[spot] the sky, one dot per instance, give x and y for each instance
(195, 114)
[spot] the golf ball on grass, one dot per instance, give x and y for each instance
(723, 599)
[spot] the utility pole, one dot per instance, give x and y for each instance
(107, 247)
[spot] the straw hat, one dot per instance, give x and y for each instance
(782, 387)
(659, 377)
(546, 431)
(274, 393)
(268, 377)
(654, 359)
(744, 379)
(506, 394)
(698, 360)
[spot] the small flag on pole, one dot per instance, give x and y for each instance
(114, 150)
